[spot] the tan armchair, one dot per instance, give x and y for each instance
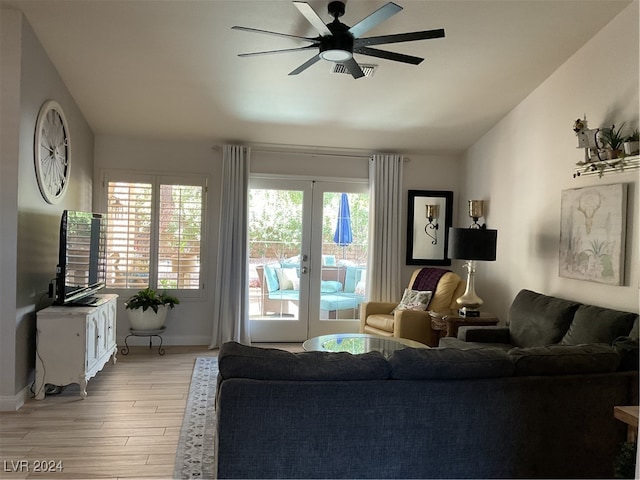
(376, 317)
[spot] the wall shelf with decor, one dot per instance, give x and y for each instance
(607, 167)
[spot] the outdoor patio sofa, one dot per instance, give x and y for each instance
(341, 289)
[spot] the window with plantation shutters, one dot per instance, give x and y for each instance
(128, 234)
(154, 236)
(180, 224)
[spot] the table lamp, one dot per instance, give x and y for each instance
(471, 244)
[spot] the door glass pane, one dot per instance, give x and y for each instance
(344, 254)
(275, 237)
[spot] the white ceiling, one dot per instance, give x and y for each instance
(169, 68)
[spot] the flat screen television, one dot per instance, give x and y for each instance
(82, 260)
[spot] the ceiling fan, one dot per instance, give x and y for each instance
(338, 42)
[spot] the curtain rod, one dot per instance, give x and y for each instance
(310, 150)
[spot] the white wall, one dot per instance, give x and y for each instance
(30, 226)
(521, 166)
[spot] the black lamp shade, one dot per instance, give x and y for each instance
(472, 244)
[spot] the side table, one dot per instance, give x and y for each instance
(628, 415)
(446, 324)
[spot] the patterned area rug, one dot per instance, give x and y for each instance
(195, 453)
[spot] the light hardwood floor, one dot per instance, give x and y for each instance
(127, 427)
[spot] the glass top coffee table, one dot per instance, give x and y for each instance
(359, 343)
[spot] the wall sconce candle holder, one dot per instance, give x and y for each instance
(476, 210)
(432, 212)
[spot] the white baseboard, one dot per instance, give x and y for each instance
(13, 403)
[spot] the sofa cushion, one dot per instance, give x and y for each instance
(629, 352)
(485, 334)
(537, 320)
(565, 359)
(382, 321)
(453, 342)
(598, 325)
(635, 330)
(443, 363)
(241, 361)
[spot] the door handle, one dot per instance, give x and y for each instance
(304, 270)
(305, 257)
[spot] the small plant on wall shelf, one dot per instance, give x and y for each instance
(613, 140)
(606, 149)
(632, 143)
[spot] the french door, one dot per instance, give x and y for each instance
(307, 257)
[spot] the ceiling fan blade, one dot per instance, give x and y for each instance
(269, 52)
(400, 37)
(305, 65)
(397, 57)
(374, 19)
(354, 68)
(313, 18)
(278, 34)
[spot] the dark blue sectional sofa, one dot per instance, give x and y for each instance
(535, 402)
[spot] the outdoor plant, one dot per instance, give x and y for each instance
(625, 463)
(149, 298)
(614, 138)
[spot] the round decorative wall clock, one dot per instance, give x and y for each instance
(52, 151)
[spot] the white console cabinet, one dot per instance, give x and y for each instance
(74, 343)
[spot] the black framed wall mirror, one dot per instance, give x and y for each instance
(429, 216)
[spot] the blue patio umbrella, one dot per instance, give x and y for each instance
(343, 235)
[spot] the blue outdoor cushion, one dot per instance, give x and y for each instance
(353, 275)
(271, 277)
(339, 301)
(330, 286)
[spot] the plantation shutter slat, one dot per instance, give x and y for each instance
(179, 235)
(128, 234)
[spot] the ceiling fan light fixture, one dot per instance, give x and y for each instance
(336, 55)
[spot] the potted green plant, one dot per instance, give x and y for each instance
(147, 309)
(632, 143)
(613, 140)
